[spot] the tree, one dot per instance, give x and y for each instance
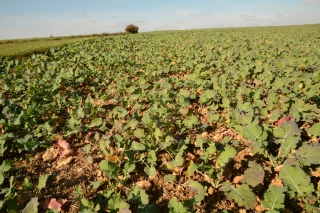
(132, 29)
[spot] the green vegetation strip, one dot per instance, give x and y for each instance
(25, 47)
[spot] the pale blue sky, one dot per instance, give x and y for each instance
(42, 18)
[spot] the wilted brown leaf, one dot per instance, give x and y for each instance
(284, 119)
(64, 148)
(210, 190)
(143, 184)
(316, 173)
(64, 161)
(276, 181)
(237, 179)
(242, 154)
(50, 154)
(24, 196)
(190, 156)
(56, 204)
(278, 168)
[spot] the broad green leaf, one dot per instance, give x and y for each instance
(139, 133)
(274, 198)
(129, 167)
(80, 112)
(150, 171)
(297, 181)
(195, 185)
(199, 141)
(228, 153)
(137, 146)
(109, 168)
(152, 157)
(87, 148)
(169, 178)
(149, 209)
(190, 121)
(286, 130)
(289, 144)
(254, 175)
(176, 207)
(309, 153)
(96, 122)
(184, 110)
(115, 203)
(133, 124)
(254, 132)
(192, 167)
(32, 206)
(185, 93)
(1, 178)
(288, 135)
(315, 130)
(242, 195)
(43, 181)
(138, 196)
(96, 184)
(5, 166)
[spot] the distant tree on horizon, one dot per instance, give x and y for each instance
(132, 29)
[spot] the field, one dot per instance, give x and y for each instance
(217, 120)
(24, 47)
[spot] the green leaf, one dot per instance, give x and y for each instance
(133, 124)
(254, 175)
(139, 133)
(190, 121)
(96, 184)
(149, 209)
(274, 198)
(152, 157)
(254, 132)
(288, 135)
(169, 178)
(5, 166)
(80, 112)
(309, 154)
(150, 171)
(87, 148)
(289, 144)
(195, 185)
(138, 196)
(32, 206)
(96, 122)
(297, 181)
(185, 93)
(176, 207)
(184, 110)
(315, 130)
(192, 167)
(137, 146)
(199, 141)
(109, 168)
(42, 181)
(287, 129)
(228, 153)
(115, 203)
(129, 167)
(1, 178)
(242, 195)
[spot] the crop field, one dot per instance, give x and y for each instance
(217, 120)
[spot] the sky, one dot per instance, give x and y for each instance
(43, 18)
